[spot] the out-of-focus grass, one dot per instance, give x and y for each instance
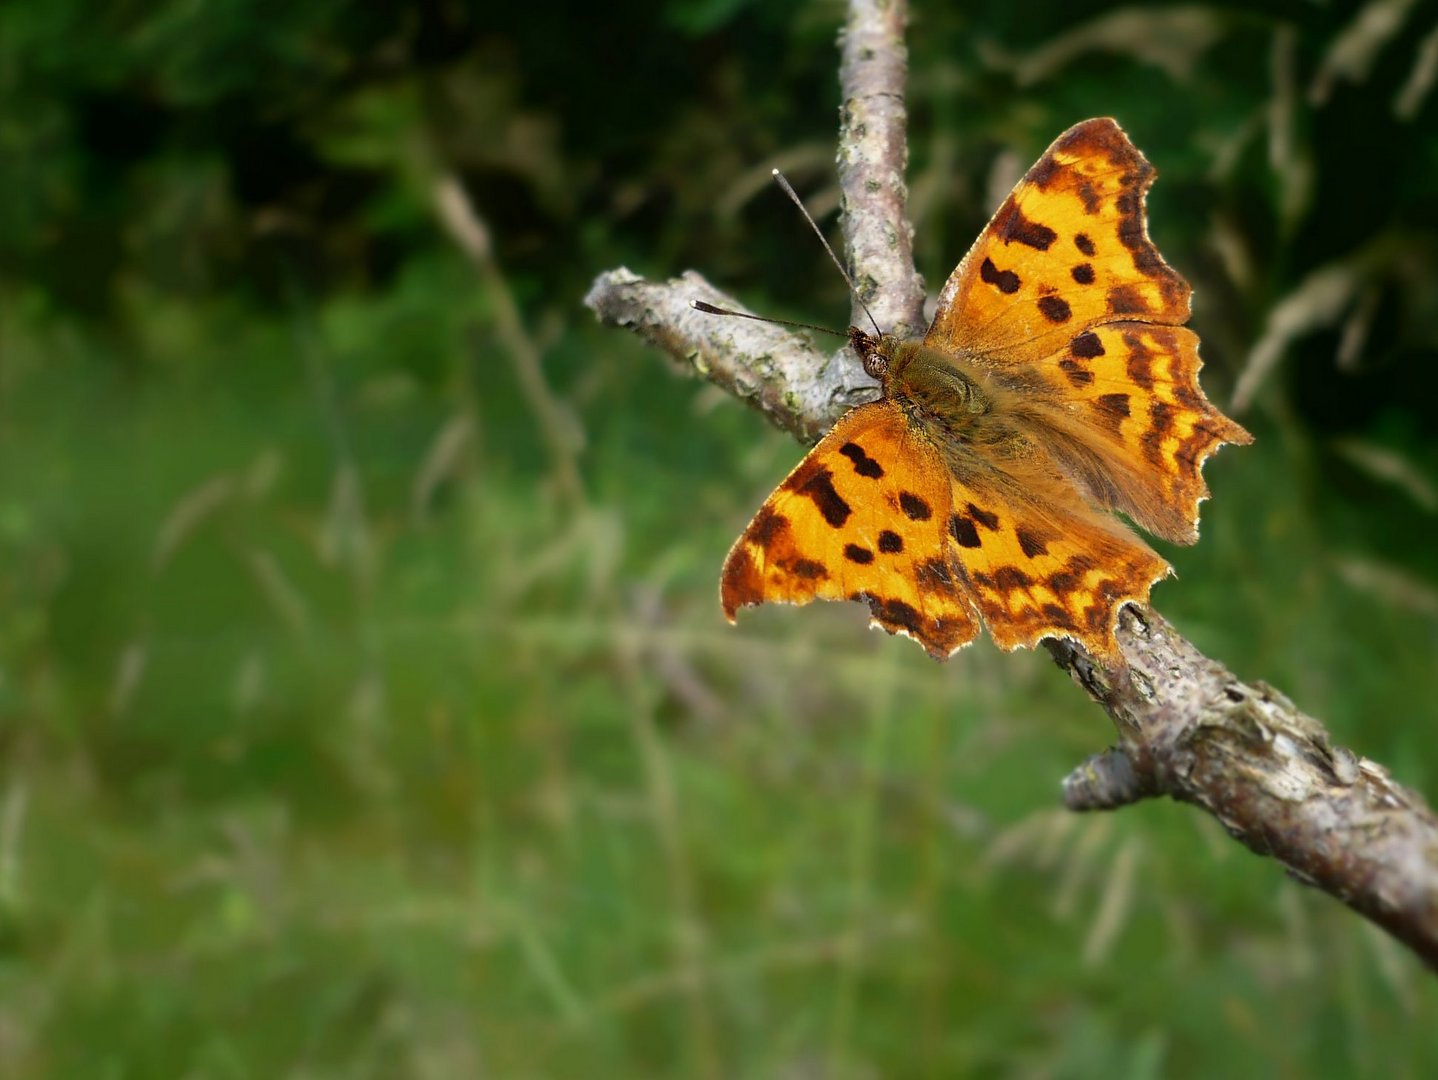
(339, 737)
(308, 773)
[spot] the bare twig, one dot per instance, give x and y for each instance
(1187, 727)
(873, 151)
(797, 387)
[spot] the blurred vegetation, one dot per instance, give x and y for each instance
(365, 706)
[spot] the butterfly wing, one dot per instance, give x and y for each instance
(1039, 563)
(1067, 250)
(932, 542)
(1131, 424)
(863, 517)
(1065, 296)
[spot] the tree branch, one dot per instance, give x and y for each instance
(873, 152)
(776, 371)
(1187, 727)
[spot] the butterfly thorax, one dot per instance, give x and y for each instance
(934, 389)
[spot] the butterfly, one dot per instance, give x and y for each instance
(1055, 385)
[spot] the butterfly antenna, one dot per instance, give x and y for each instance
(710, 309)
(794, 197)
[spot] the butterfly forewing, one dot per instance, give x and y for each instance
(1067, 250)
(1065, 294)
(863, 517)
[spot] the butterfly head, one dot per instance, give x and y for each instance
(886, 358)
(877, 354)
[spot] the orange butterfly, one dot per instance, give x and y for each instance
(1056, 382)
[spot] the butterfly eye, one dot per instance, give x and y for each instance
(871, 353)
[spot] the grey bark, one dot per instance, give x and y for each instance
(1188, 728)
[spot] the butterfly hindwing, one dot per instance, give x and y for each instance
(1039, 563)
(1132, 426)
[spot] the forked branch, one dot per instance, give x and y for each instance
(1187, 727)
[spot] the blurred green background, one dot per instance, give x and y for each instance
(365, 705)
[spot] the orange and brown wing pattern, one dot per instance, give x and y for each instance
(1057, 382)
(1131, 401)
(1068, 250)
(863, 517)
(1040, 565)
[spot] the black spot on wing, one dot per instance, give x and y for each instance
(1060, 618)
(819, 488)
(890, 543)
(856, 554)
(1126, 300)
(1078, 375)
(1010, 578)
(807, 569)
(934, 575)
(1055, 308)
(916, 508)
(895, 614)
(1140, 361)
(1063, 582)
(1006, 281)
(1014, 228)
(1084, 244)
(864, 465)
(1042, 174)
(1082, 273)
(1089, 196)
(1161, 421)
(1087, 345)
(1071, 576)
(1113, 408)
(1030, 544)
(983, 517)
(963, 531)
(766, 526)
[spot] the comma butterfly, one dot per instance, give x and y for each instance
(1056, 382)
